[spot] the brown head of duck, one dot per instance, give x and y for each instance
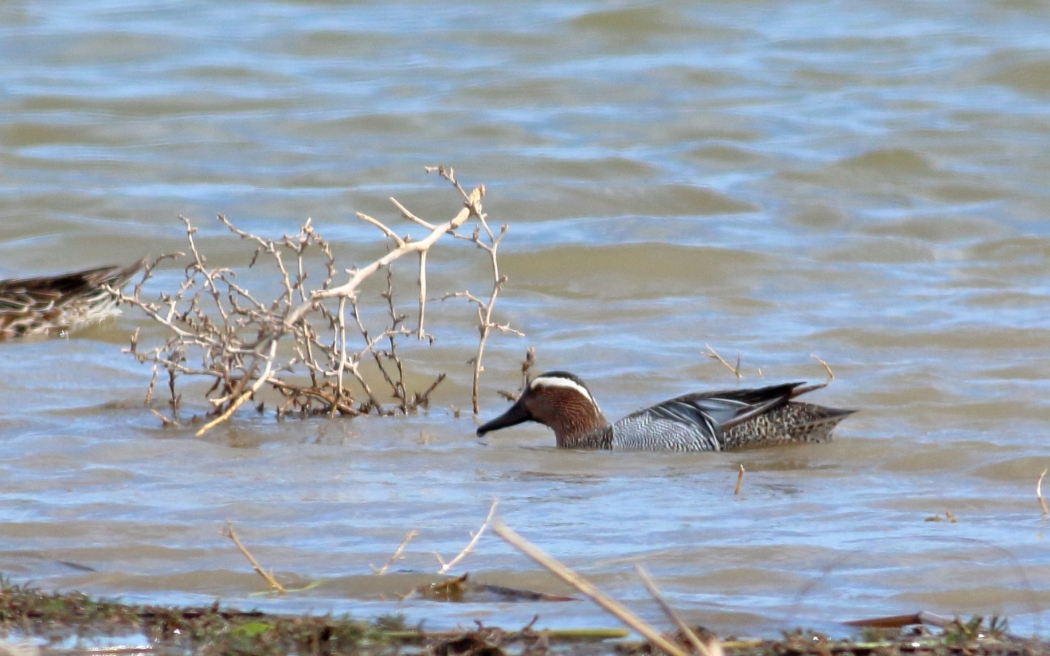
(558, 400)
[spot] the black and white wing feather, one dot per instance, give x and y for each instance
(697, 422)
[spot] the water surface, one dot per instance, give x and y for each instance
(862, 182)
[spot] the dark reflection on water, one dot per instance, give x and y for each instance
(777, 179)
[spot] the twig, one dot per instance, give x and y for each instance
(485, 322)
(153, 378)
(397, 554)
(526, 365)
(168, 422)
(587, 588)
(244, 396)
(950, 516)
(739, 480)
(420, 333)
(1039, 493)
(715, 356)
(385, 230)
(230, 533)
(473, 540)
(341, 336)
(671, 614)
(410, 216)
(349, 288)
(217, 329)
(831, 374)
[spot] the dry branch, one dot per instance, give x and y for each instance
(219, 330)
(739, 480)
(585, 587)
(490, 244)
(228, 532)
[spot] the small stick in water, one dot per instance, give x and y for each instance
(229, 533)
(831, 374)
(713, 354)
(739, 480)
(397, 554)
(1039, 493)
(473, 540)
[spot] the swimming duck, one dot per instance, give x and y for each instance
(702, 421)
(52, 304)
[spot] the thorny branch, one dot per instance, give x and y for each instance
(490, 244)
(220, 330)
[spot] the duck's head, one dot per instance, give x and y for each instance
(556, 399)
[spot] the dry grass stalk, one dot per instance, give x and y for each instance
(445, 567)
(219, 330)
(690, 635)
(711, 353)
(1039, 493)
(397, 554)
(585, 587)
(228, 532)
(831, 374)
(739, 480)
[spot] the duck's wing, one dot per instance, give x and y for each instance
(697, 422)
(49, 303)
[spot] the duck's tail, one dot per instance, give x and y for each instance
(788, 423)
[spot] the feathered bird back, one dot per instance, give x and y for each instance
(50, 304)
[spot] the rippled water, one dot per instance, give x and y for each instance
(864, 182)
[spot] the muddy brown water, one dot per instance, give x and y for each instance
(862, 182)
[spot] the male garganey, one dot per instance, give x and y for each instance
(703, 421)
(54, 304)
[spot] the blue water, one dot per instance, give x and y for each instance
(862, 183)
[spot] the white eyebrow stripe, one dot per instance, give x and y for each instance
(557, 381)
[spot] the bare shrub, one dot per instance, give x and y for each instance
(299, 342)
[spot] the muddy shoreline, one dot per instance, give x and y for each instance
(38, 622)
